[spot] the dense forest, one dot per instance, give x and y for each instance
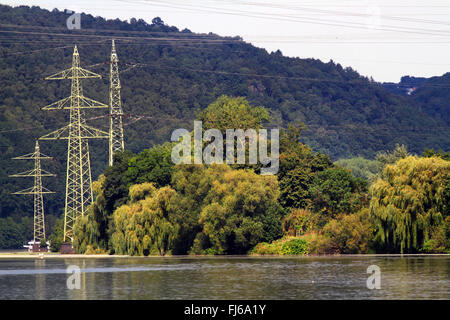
(168, 77)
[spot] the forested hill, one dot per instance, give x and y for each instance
(168, 75)
(431, 94)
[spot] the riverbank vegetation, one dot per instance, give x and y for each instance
(397, 203)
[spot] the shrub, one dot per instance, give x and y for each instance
(295, 246)
(298, 221)
(351, 233)
(285, 246)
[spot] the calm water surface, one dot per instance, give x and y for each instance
(407, 277)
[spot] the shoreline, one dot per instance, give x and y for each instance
(26, 255)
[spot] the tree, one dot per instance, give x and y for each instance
(57, 235)
(111, 191)
(385, 158)
(233, 113)
(440, 153)
(224, 211)
(116, 182)
(336, 190)
(361, 167)
(233, 215)
(151, 165)
(15, 233)
(408, 201)
(143, 226)
(157, 21)
(298, 166)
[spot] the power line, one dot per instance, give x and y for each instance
(284, 17)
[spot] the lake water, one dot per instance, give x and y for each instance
(341, 277)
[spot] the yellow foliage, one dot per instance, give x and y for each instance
(140, 191)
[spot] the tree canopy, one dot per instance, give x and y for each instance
(410, 202)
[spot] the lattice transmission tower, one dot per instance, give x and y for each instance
(37, 190)
(77, 132)
(116, 143)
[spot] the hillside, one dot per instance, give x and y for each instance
(169, 75)
(431, 94)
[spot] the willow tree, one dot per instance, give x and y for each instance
(239, 210)
(409, 202)
(142, 226)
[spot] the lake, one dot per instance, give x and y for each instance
(238, 277)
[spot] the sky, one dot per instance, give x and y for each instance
(383, 39)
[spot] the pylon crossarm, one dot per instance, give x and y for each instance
(86, 74)
(27, 156)
(45, 190)
(84, 103)
(69, 74)
(61, 104)
(32, 156)
(62, 133)
(65, 74)
(33, 190)
(33, 173)
(92, 133)
(91, 103)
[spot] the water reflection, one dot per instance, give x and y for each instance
(411, 277)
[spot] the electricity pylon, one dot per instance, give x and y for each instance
(116, 143)
(77, 132)
(37, 190)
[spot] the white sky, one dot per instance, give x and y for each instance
(385, 39)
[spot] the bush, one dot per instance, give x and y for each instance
(438, 242)
(299, 221)
(351, 233)
(295, 247)
(285, 246)
(347, 234)
(57, 235)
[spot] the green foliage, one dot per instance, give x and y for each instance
(361, 168)
(294, 247)
(409, 201)
(346, 113)
(441, 154)
(439, 241)
(433, 99)
(86, 233)
(113, 190)
(285, 246)
(347, 233)
(385, 158)
(14, 234)
(218, 210)
(224, 211)
(298, 166)
(299, 221)
(143, 226)
(233, 113)
(151, 165)
(352, 233)
(336, 190)
(236, 209)
(57, 235)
